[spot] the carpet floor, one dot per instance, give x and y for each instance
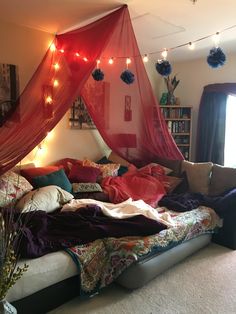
(203, 283)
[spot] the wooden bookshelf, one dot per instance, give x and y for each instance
(179, 123)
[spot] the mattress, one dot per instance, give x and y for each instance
(42, 272)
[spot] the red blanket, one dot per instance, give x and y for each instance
(137, 185)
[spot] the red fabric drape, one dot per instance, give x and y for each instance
(118, 110)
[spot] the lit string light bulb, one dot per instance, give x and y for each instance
(55, 83)
(145, 58)
(191, 46)
(164, 54)
(48, 100)
(77, 54)
(216, 39)
(53, 47)
(85, 59)
(98, 62)
(128, 61)
(62, 50)
(56, 66)
(111, 60)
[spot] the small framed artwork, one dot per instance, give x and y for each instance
(79, 116)
(9, 90)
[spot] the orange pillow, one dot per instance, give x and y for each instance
(30, 173)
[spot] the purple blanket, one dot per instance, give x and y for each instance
(223, 204)
(46, 233)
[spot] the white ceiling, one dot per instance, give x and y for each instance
(158, 24)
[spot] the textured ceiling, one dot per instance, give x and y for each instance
(158, 24)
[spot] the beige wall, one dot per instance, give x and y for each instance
(194, 75)
(26, 47)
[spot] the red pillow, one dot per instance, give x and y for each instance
(30, 173)
(83, 174)
(67, 163)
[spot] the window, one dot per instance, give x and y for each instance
(230, 133)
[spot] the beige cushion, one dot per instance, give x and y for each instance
(47, 198)
(198, 175)
(222, 179)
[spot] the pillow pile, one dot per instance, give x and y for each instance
(12, 187)
(47, 198)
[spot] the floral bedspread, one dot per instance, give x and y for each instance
(102, 261)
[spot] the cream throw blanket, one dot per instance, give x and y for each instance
(126, 209)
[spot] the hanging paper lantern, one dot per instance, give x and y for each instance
(216, 58)
(163, 67)
(98, 75)
(127, 77)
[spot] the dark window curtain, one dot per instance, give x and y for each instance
(211, 122)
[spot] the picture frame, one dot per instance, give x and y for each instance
(9, 90)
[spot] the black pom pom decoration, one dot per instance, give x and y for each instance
(163, 67)
(127, 77)
(98, 75)
(216, 58)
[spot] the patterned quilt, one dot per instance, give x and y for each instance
(102, 261)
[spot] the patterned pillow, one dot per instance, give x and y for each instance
(108, 170)
(86, 187)
(12, 187)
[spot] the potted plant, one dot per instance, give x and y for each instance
(10, 233)
(171, 84)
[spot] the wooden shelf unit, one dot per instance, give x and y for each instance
(179, 123)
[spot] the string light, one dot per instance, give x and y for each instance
(62, 50)
(53, 47)
(111, 60)
(191, 46)
(216, 39)
(77, 54)
(164, 54)
(56, 66)
(48, 100)
(128, 61)
(85, 59)
(55, 83)
(145, 58)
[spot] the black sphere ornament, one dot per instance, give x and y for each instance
(216, 58)
(163, 67)
(98, 75)
(127, 77)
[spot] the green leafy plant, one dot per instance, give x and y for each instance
(9, 247)
(171, 83)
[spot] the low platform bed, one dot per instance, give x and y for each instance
(166, 236)
(134, 277)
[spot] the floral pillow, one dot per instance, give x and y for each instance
(86, 187)
(107, 170)
(12, 187)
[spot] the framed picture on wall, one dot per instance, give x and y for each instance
(98, 95)
(79, 116)
(9, 90)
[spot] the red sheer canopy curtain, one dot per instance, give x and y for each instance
(119, 110)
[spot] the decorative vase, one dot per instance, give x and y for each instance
(170, 99)
(6, 307)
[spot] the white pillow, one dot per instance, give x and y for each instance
(47, 198)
